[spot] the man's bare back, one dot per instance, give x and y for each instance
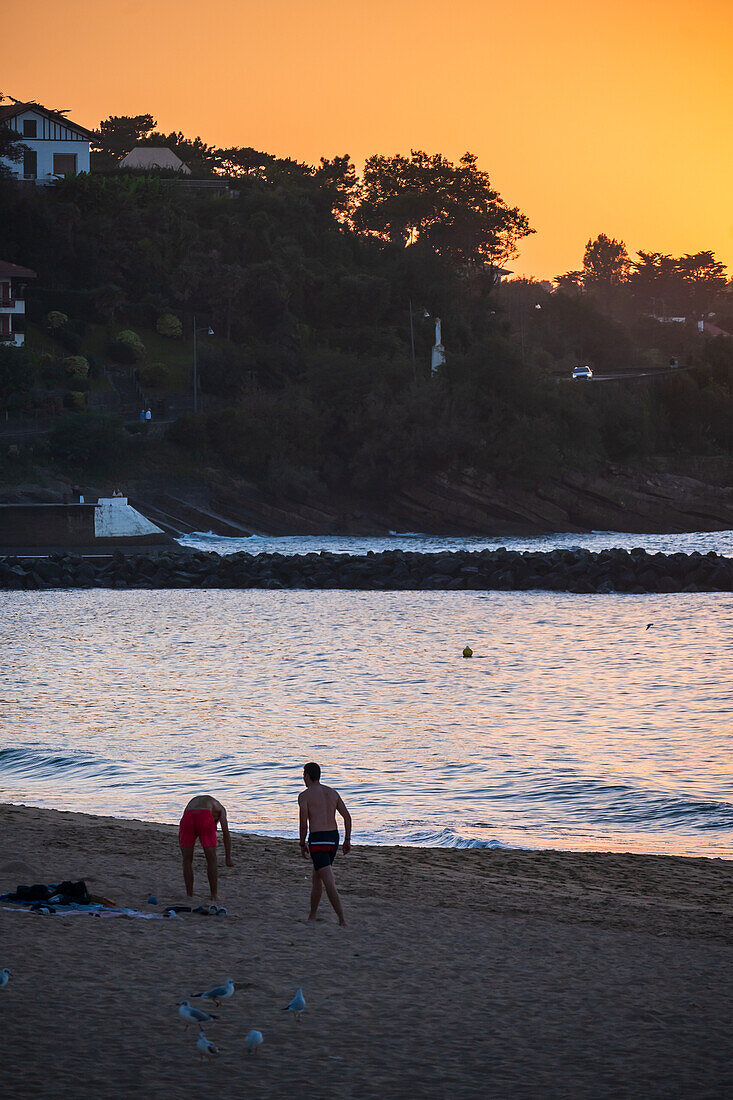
(320, 804)
(206, 802)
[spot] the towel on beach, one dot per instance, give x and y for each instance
(74, 910)
(59, 893)
(67, 898)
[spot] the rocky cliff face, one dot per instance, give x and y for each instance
(617, 499)
(612, 499)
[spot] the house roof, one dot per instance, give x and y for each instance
(13, 271)
(154, 156)
(9, 111)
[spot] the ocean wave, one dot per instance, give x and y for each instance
(34, 763)
(447, 838)
(626, 804)
(649, 811)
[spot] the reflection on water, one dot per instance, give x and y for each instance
(572, 726)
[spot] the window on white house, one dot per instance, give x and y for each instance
(30, 164)
(63, 163)
(29, 127)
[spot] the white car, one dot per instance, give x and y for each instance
(582, 372)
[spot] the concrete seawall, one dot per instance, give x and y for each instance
(109, 522)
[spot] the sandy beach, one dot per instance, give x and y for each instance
(462, 973)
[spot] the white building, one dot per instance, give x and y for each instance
(13, 281)
(54, 145)
(147, 157)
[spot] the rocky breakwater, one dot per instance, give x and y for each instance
(582, 571)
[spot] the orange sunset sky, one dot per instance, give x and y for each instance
(590, 115)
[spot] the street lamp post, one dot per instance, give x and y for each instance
(426, 315)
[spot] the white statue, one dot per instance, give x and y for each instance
(437, 356)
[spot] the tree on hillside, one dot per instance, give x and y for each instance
(11, 147)
(703, 278)
(606, 263)
(117, 136)
(449, 208)
(243, 161)
(571, 280)
(338, 179)
(682, 286)
(18, 370)
(605, 271)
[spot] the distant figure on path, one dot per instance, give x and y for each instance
(200, 819)
(318, 806)
(148, 414)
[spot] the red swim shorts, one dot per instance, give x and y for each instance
(197, 823)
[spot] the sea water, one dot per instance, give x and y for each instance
(721, 542)
(582, 721)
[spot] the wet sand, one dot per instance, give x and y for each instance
(461, 973)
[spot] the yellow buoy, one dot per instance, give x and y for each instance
(468, 652)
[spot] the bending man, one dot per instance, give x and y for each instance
(200, 819)
(318, 806)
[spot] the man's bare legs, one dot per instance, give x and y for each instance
(316, 892)
(211, 870)
(187, 856)
(321, 878)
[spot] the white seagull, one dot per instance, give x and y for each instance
(206, 1048)
(297, 1004)
(4, 977)
(218, 993)
(194, 1015)
(253, 1040)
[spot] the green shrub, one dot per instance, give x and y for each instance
(169, 325)
(127, 347)
(55, 321)
(76, 366)
(75, 399)
(153, 375)
(83, 439)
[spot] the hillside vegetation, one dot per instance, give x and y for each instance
(308, 278)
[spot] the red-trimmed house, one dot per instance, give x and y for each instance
(13, 280)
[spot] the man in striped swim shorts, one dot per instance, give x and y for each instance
(318, 807)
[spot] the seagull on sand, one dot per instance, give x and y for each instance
(218, 993)
(194, 1015)
(297, 1004)
(4, 977)
(206, 1048)
(253, 1040)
